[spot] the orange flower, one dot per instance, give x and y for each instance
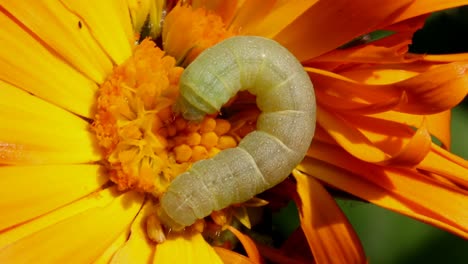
(88, 141)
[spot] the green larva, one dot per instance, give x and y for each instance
(263, 158)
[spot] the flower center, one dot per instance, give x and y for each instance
(145, 144)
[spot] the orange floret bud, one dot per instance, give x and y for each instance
(225, 142)
(222, 127)
(209, 139)
(183, 153)
(207, 125)
(193, 139)
(199, 153)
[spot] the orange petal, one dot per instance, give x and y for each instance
(65, 33)
(281, 14)
(97, 227)
(351, 139)
(420, 7)
(137, 248)
(33, 131)
(113, 30)
(437, 124)
(225, 9)
(417, 195)
(249, 245)
(230, 257)
(53, 186)
(180, 248)
(327, 25)
(405, 146)
(27, 64)
(436, 90)
(330, 235)
(447, 165)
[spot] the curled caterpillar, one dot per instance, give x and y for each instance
(264, 157)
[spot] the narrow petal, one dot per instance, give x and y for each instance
(351, 139)
(111, 249)
(186, 249)
(73, 236)
(29, 65)
(97, 200)
(437, 124)
(33, 131)
(418, 196)
(65, 33)
(230, 257)
(137, 248)
(420, 7)
(330, 26)
(53, 186)
(446, 165)
(447, 87)
(249, 245)
(330, 235)
(110, 24)
(405, 146)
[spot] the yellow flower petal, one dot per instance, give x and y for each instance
(33, 131)
(137, 248)
(185, 249)
(84, 236)
(65, 33)
(111, 249)
(32, 67)
(110, 24)
(97, 200)
(34, 190)
(330, 235)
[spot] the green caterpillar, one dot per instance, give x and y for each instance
(263, 158)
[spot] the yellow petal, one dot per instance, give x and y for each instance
(80, 238)
(249, 245)
(31, 191)
(111, 249)
(137, 248)
(330, 235)
(110, 24)
(187, 249)
(99, 199)
(27, 64)
(33, 131)
(65, 33)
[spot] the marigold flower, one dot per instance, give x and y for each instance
(89, 141)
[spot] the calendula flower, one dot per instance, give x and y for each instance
(89, 141)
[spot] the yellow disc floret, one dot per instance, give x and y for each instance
(145, 143)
